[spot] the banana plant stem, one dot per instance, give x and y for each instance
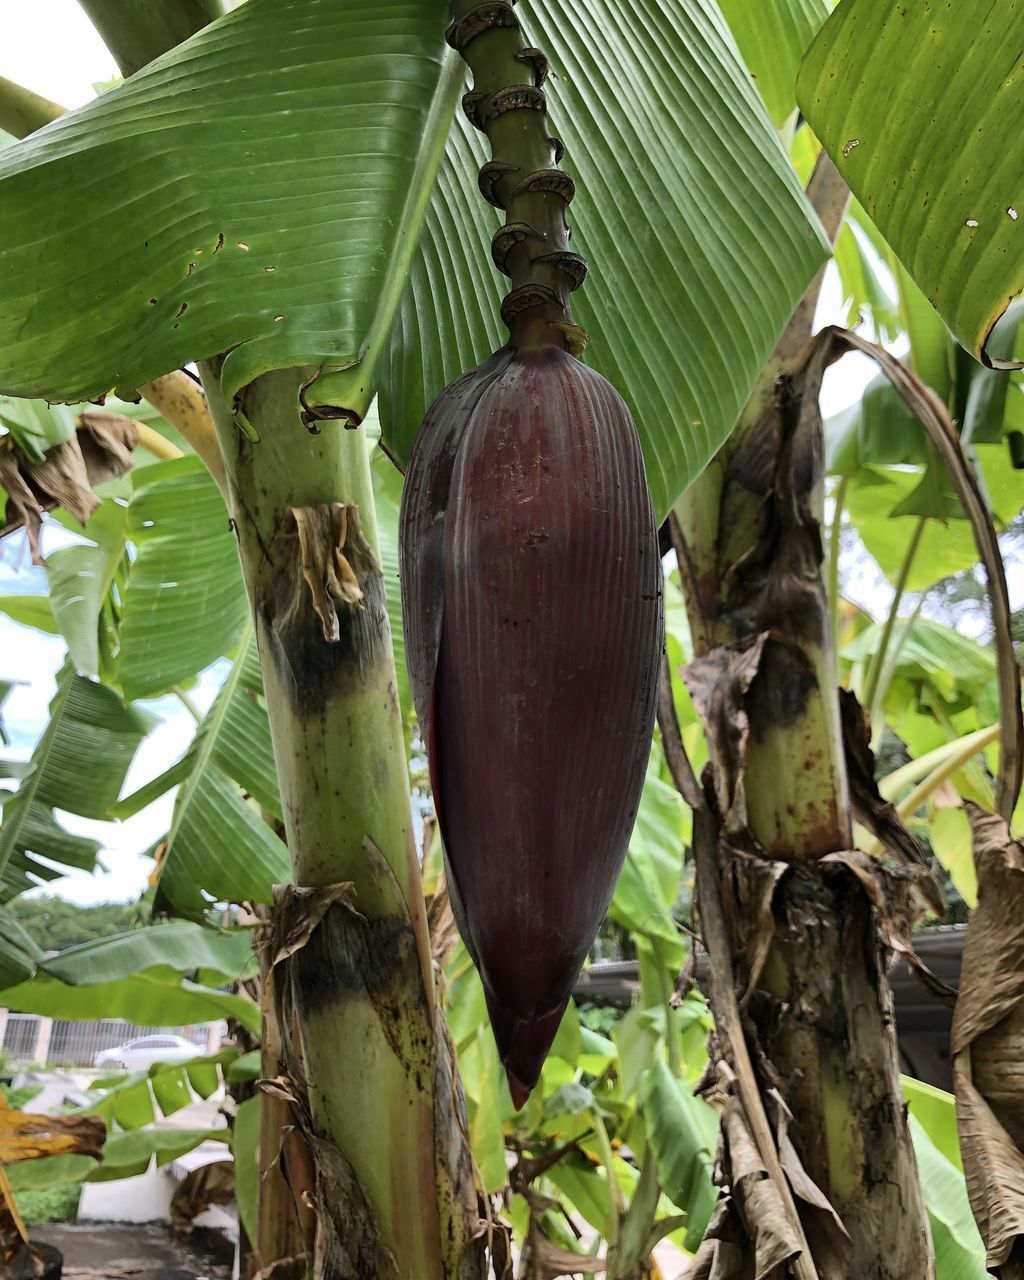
(892, 659)
(156, 444)
(875, 672)
(187, 703)
(177, 398)
(23, 112)
(614, 1194)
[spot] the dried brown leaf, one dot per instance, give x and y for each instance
(332, 549)
(869, 806)
(718, 684)
(757, 1197)
(988, 1044)
(548, 1261)
(285, 1269)
(748, 911)
(444, 932)
(24, 1136)
(100, 450)
(210, 1184)
(302, 908)
(899, 897)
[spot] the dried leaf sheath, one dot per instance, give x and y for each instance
(533, 613)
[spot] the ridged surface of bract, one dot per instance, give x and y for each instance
(532, 596)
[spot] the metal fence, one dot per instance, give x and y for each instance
(27, 1039)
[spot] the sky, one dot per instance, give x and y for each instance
(50, 47)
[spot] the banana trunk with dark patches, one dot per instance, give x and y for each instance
(375, 1088)
(804, 939)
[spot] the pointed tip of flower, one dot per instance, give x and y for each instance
(520, 1092)
(522, 1045)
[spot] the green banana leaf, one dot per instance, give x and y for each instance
(885, 504)
(138, 1098)
(649, 883)
(79, 766)
(773, 36)
(219, 846)
(125, 1155)
(139, 976)
(184, 603)
(959, 1251)
(201, 226)
(246, 1150)
(915, 104)
(681, 1132)
(19, 953)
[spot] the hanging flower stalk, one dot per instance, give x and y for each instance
(531, 589)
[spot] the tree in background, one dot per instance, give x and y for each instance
(57, 924)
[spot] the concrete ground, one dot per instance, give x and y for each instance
(108, 1252)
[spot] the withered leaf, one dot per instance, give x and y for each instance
(24, 1136)
(718, 684)
(870, 808)
(333, 552)
(210, 1184)
(100, 450)
(988, 1044)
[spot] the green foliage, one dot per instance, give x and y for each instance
(862, 86)
(772, 36)
(959, 1252)
(218, 844)
(52, 1204)
(310, 60)
(19, 1099)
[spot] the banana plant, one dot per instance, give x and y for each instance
(325, 255)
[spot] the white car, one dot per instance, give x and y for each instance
(142, 1052)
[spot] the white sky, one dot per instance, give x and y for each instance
(50, 47)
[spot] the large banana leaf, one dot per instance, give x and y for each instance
(681, 1131)
(245, 192)
(649, 883)
(140, 976)
(218, 845)
(289, 254)
(78, 765)
(154, 594)
(184, 604)
(134, 1099)
(916, 103)
(19, 953)
(125, 1155)
(772, 36)
(180, 946)
(885, 504)
(689, 213)
(86, 608)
